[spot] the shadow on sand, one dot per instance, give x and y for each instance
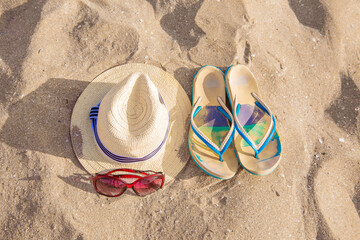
(40, 121)
(310, 13)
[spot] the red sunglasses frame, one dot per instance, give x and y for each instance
(148, 174)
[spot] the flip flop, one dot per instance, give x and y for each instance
(257, 143)
(211, 134)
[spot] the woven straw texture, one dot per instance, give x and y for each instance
(132, 120)
(132, 115)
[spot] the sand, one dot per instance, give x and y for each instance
(305, 55)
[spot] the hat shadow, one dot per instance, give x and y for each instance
(40, 121)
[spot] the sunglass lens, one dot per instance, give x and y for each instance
(148, 185)
(109, 186)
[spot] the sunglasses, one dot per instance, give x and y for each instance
(112, 185)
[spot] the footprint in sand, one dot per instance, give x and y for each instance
(95, 40)
(181, 26)
(310, 13)
(345, 109)
(337, 194)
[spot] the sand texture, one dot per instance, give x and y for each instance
(305, 55)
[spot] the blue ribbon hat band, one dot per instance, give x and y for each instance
(121, 159)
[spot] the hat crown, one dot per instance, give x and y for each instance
(133, 119)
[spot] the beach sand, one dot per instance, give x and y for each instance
(305, 55)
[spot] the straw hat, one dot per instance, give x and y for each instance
(141, 122)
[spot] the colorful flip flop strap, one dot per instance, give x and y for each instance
(269, 134)
(122, 159)
(228, 139)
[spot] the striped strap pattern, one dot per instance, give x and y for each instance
(268, 135)
(228, 139)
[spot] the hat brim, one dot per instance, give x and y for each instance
(170, 160)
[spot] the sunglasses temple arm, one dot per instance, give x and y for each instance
(163, 181)
(129, 176)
